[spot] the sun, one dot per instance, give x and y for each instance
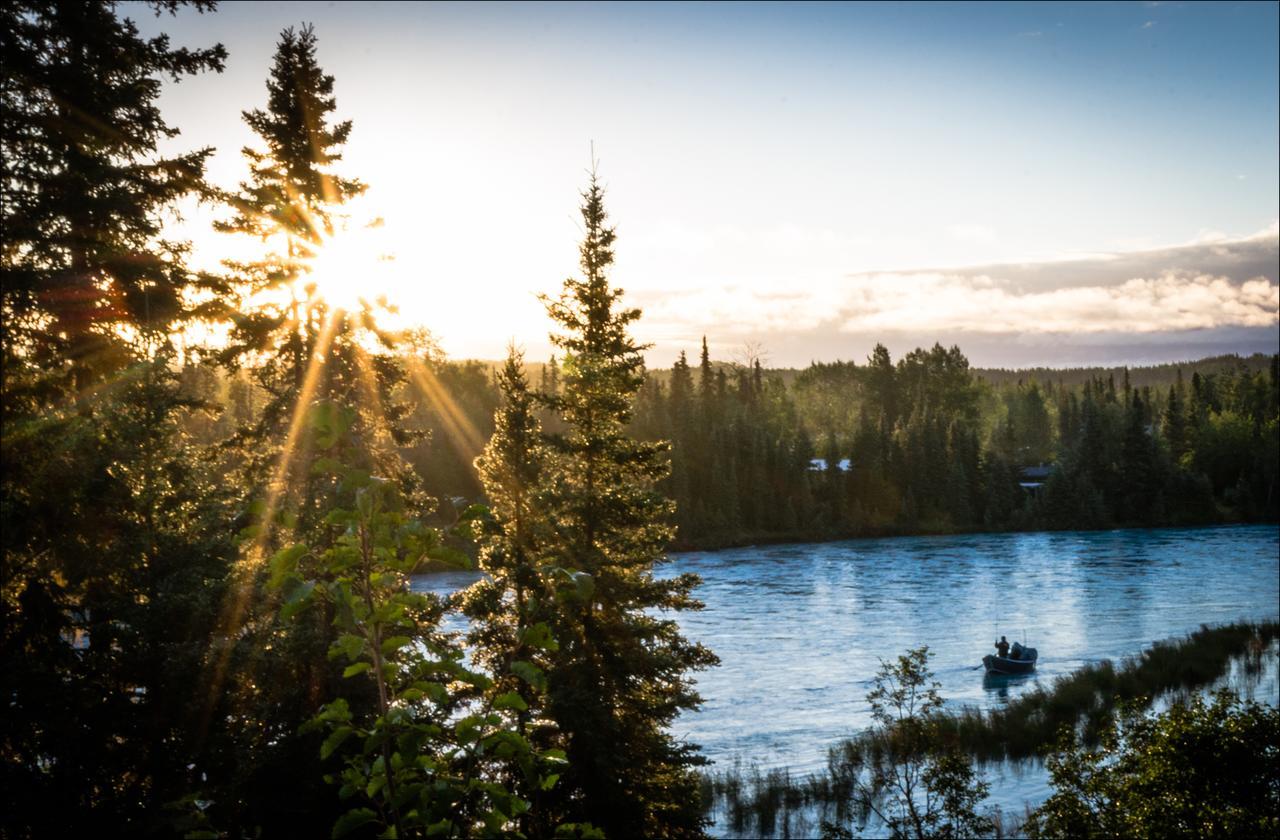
(349, 271)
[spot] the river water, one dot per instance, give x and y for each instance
(800, 628)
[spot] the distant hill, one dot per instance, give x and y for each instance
(1139, 377)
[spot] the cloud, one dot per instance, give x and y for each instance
(1212, 296)
(1148, 24)
(982, 304)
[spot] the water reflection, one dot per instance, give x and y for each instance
(999, 684)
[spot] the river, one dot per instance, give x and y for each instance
(800, 628)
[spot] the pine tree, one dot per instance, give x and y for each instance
(1174, 424)
(84, 265)
(331, 382)
(510, 608)
(302, 349)
(114, 545)
(621, 673)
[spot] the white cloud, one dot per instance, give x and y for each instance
(959, 303)
(1221, 290)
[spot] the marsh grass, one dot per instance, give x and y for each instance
(777, 803)
(1086, 698)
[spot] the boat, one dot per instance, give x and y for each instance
(1021, 660)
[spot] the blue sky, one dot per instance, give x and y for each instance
(811, 177)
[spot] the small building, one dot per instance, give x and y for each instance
(1032, 479)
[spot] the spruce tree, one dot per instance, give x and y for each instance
(510, 608)
(320, 370)
(84, 268)
(301, 348)
(114, 544)
(621, 673)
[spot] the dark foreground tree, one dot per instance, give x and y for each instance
(84, 266)
(1201, 769)
(622, 670)
(114, 541)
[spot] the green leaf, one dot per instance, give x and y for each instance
(585, 584)
(530, 673)
(394, 643)
(358, 668)
(349, 645)
(330, 421)
(335, 739)
(352, 820)
(298, 600)
(510, 700)
(539, 636)
(436, 691)
(284, 564)
(331, 466)
(585, 831)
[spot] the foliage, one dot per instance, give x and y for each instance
(115, 558)
(620, 672)
(423, 753)
(510, 607)
(85, 191)
(1201, 769)
(299, 347)
(115, 542)
(912, 780)
(924, 445)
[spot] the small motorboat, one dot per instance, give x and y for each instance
(1021, 660)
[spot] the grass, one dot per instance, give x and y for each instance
(1086, 698)
(776, 803)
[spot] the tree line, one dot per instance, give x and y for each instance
(923, 445)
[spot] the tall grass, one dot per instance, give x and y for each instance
(1086, 698)
(776, 803)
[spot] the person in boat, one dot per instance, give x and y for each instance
(1002, 648)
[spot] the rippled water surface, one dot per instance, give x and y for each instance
(800, 628)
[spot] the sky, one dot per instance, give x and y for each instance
(1042, 184)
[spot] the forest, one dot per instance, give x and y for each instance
(926, 445)
(209, 628)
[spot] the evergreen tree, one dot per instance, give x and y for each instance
(1174, 425)
(83, 189)
(301, 348)
(621, 673)
(510, 608)
(113, 544)
(115, 556)
(331, 382)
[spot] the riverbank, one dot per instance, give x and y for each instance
(717, 542)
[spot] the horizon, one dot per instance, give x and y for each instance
(1041, 184)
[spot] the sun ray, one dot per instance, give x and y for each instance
(460, 432)
(251, 557)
